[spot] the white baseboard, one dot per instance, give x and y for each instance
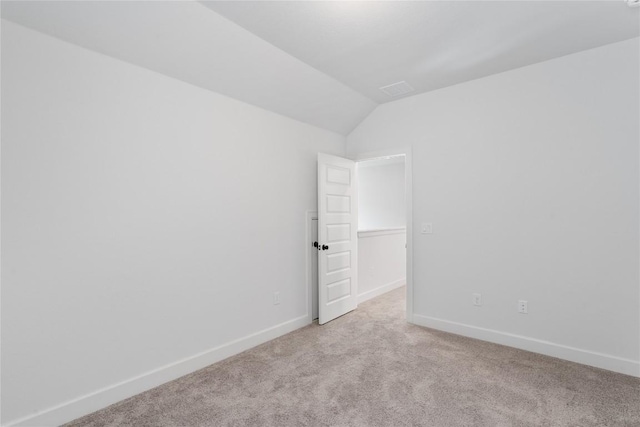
(381, 290)
(585, 357)
(104, 397)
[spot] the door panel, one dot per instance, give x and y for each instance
(337, 237)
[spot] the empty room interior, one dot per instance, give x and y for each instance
(320, 213)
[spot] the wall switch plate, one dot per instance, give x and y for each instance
(427, 228)
(477, 299)
(522, 307)
(276, 298)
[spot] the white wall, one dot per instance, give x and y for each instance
(144, 221)
(381, 202)
(531, 181)
(382, 262)
(381, 221)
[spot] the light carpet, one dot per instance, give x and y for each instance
(371, 368)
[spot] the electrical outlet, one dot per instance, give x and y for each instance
(276, 298)
(522, 307)
(427, 228)
(477, 299)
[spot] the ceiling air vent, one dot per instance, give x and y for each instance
(397, 89)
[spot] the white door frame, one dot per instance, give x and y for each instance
(311, 215)
(358, 157)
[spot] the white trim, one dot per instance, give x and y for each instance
(381, 232)
(365, 296)
(382, 162)
(104, 397)
(408, 182)
(311, 215)
(585, 357)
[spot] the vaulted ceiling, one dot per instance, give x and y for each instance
(429, 44)
(323, 62)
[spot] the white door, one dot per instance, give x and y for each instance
(337, 237)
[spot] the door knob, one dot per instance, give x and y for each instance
(325, 247)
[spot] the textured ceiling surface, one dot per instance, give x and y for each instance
(323, 62)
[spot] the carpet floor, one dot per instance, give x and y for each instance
(371, 368)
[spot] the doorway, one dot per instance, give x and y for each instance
(408, 214)
(381, 226)
(388, 227)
